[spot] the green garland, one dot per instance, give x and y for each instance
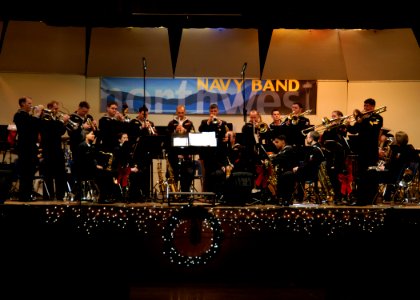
(192, 213)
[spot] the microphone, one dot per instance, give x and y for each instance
(243, 68)
(144, 63)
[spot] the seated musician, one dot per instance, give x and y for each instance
(122, 163)
(308, 169)
(180, 160)
(87, 166)
(284, 161)
(401, 164)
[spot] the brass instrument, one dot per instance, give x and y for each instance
(359, 116)
(171, 183)
(161, 182)
(215, 121)
(262, 127)
(324, 180)
(320, 127)
(295, 118)
(272, 175)
(89, 121)
(149, 126)
(70, 125)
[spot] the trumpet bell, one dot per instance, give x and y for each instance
(262, 127)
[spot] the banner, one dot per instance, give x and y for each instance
(163, 95)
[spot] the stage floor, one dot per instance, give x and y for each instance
(64, 249)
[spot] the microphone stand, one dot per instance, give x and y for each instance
(244, 112)
(144, 81)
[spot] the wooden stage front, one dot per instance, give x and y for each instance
(100, 250)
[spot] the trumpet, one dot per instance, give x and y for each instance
(149, 126)
(295, 118)
(92, 125)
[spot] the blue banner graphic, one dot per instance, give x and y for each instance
(163, 95)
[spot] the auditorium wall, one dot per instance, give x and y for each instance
(400, 97)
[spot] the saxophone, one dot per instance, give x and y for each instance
(272, 176)
(325, 182)
(161, 181)
(171, 181)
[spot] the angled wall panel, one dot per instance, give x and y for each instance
(34, 47)
(391, 54)
(218, 53)
(119, 52)
(305, 54)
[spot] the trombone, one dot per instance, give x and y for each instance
(325, 124)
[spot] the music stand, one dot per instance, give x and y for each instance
(150, 147)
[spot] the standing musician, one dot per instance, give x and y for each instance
(339, 168)
(28, 126)
(140, 127)
(275, 128)
(367, 126)
(80, 123)
(53, 127)
(294, 124)
(181, 161)
(110, 125)
(254, 152)
(212, 156)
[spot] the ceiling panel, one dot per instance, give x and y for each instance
(119, 52)
(218, 53)
(37, 48)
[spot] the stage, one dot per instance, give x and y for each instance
(115, 249)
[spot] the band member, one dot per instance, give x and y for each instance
(53, 163)
(401, 164)
(308, 169)
(141, 127)
(284, 161)
(28, 126)
(334, 141)
(212, 156)
(367, 126)
(275, 128)
(293, 126)
(110, 125)
(179, 159)
(79, 124)
(251, 139)
(88, 167)
(122, 163)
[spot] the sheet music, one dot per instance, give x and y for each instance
(202, 139)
